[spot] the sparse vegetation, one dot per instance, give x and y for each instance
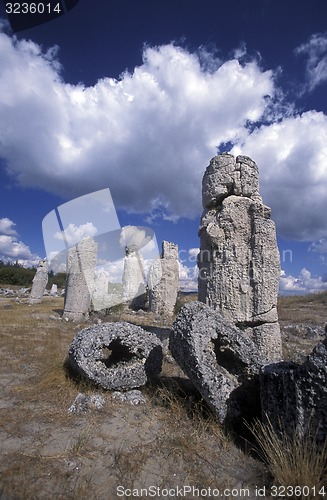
(14, 274)
(294, 461)
(59, 279)
(173, 440)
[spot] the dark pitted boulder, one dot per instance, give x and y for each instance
(221, 360)
(116, 356)
(294, 397)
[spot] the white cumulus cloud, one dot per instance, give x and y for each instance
(292, 160)
(319, 246)
(304, 283)
(7, 227)
(73, 234)
(11, 249)
(149, 135)
(144, 135)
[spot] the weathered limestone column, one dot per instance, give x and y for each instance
(163, 281)
(81, 264)
(133, 278)
(40, 281)
(239, 266)
(100, 298)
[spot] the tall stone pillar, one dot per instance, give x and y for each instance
(81, 265)
(163, 281)
(40, 281)
(239, 266)
(133, 278)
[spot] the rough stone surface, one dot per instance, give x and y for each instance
(219, 359)
(40, 281)
(54, 290)
(225, 176)
(239, 266)
(134, 291)
(294, 397)
(84, 403)
(81, 264)
(133, 397)
(116, 356)
(163, 281)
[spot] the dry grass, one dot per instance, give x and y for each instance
(292, 460)
(303, 308)
(48, 453)
(172, 440)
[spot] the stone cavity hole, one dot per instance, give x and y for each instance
(226, 358)
(116, 353)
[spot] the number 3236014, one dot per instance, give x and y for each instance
(33, 8)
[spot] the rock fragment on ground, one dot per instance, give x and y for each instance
(116, 356)
(84, 403)
(294, 397)
(133, 397)
(220, 359)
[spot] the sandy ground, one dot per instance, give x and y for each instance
(46, 452)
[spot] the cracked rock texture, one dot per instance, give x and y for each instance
(40, 281)
(294, 397)
(163, 281)
(221, 361)
(239, 266)
(116, 356)
(81, 264)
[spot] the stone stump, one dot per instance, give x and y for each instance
(294, 397)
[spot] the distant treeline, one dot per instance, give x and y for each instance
(17, 275)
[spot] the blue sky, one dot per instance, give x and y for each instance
(139, 95)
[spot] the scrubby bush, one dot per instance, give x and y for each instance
(16, 275)
(59, 279)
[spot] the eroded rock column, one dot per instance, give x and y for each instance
(133, 278)
(100, 298)
(81, 264)
(163, 281)
(40, 281)
(239, 266)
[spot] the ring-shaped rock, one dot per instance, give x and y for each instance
(116, 356)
